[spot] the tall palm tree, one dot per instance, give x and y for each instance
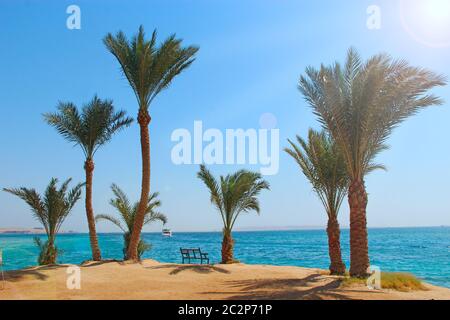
(232, 195)
(50, 210)
(323, 165)
(149, 70)
(91, 128)
(128, 214)
(360, 104)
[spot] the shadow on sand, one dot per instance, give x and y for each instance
(34, 272)
(89, 263)
(312, 287)
(198, 268)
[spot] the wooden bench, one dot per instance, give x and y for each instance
(194, 254)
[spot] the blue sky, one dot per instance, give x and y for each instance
(251, 56)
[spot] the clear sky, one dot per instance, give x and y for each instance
(251, 56)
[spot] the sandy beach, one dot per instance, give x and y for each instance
(153, 280)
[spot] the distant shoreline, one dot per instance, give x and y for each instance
(38, 231)
(31, 231)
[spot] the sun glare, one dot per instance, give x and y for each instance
(438, 11)
(427, 21)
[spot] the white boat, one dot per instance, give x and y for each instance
(166, 232)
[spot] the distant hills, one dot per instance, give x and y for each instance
(26, 231)
(238, 229)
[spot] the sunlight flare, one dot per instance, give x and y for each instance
(427, 22)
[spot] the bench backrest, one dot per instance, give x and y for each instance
(194, 253)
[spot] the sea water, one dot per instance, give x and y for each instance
(424, 252)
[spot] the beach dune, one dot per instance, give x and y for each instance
(153, 280)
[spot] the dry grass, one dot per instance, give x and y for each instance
(349, 281)
(401, 281)
(390, 280)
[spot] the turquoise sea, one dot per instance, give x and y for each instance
(424, 252)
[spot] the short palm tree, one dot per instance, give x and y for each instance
(323, 165)
(50, 210)
(232, 195)
(149, 70)
(91, 128)
(128, 214)
(360, 104)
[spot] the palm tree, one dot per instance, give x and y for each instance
(323, 165)
(360, 104)
(50, 210)
(233, 195)
(91, 128)
(149, 70)
(128, 215)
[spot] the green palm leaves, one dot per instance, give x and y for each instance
(92, 127)
(149, 68)
(127, 215)
(54, 206)
(127, 211)
(323, 165)
(50, 209)
(360, 103)
(234, 194)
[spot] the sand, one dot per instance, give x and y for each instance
(154, 280)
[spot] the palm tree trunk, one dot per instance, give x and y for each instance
(359, 248)
(143, 120)
(89, 168)
(227, 248)
(51, 254)
(337, 267)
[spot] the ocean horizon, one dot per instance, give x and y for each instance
(237, 229)
(423, 251)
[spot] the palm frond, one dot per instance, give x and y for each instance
(122, 204)
(34, 201)
(363, 102)
(149, 69)
(234, 194)
(216, 196)
(155, 216)
(323, 164)
(111, 219)
(53, 207)
(128, 211)
(90, 129)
